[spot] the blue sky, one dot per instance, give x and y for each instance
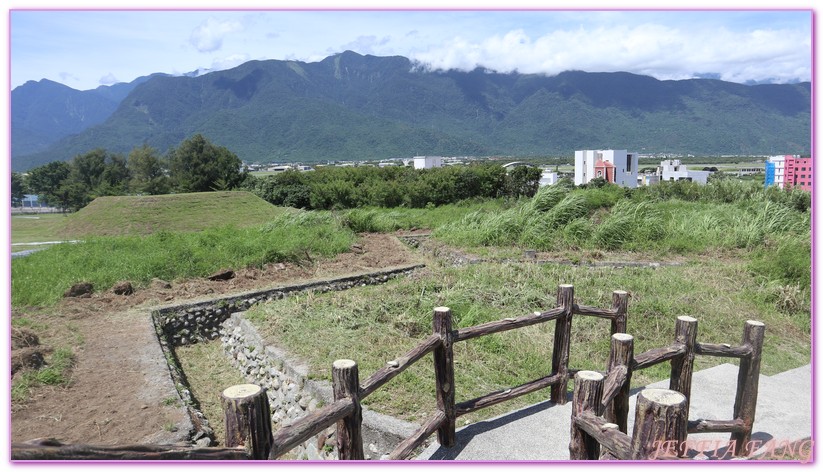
(85, 49)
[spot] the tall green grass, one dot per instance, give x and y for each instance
(41, 278)
(375, 324)
(383, 220)
(680, 218)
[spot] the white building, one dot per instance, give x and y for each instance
(615, 166)
(672, 170)
(548, 178)
(779, 163)
(427, 162)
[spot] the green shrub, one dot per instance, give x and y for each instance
(786, 259)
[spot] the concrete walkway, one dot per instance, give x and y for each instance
(541, 432)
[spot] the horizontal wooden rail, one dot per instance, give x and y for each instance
(505, 395)
(657, 355)
(51, 449)
(506, 324)
(716, 426)
(614, 383)
(607, 434)
(723, 350)
(593, 311)
(289, 436)
(406, 447)
(395, 367)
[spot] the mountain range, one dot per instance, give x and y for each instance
(349, 106)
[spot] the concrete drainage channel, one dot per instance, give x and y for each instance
(290, 392)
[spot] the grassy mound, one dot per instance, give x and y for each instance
(186, 212)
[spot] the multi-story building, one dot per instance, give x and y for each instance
(615, 166)
(776, 171)
(789, 171)
(672, 170)
(799, 173)
(427, 162)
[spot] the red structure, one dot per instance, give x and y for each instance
(799, 173)
(604, 169)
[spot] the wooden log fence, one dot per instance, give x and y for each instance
(345, 412)
(47, 449)
(659, 417)
(681, 354)
(600, 418)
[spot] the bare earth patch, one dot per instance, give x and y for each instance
(120, 392)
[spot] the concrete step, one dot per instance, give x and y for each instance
(540, 432)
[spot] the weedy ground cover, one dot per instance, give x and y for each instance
(373, 325)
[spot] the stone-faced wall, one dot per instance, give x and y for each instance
(190, 323)
(290, 395)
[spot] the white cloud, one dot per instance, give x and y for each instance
(364, 45)
(230, 61)
(108, 79)
(208, 37)
(67, 76)
(664, 52)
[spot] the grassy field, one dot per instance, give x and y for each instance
(747, 253)
(114, 216)
(375, 324)
(141, 215)
(168, 237)
(37, 228)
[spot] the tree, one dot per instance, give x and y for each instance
(148, 171)
(115, 177)
(197, 165)
(18, 189)
(45, 181)
(523, 181)
(87, 169)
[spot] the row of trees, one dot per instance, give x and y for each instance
(347, 187)
(196, 165)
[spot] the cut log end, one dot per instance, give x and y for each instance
(663, 396)
(755, 323)
(590, 375)
(442, 309)
(687, 319)
(344, 364)
(622, 337)
(241, 391)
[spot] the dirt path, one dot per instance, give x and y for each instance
(120, 391)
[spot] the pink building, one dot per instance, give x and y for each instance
(798, 173)
(605, 170)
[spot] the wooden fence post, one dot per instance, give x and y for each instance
(745, 401)
(621, 354)
(444, 374)
(248, 419)
(588, 390)
(660, 414)
(683, 366)
(620, 303)
(346, 384)
(562, 341)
